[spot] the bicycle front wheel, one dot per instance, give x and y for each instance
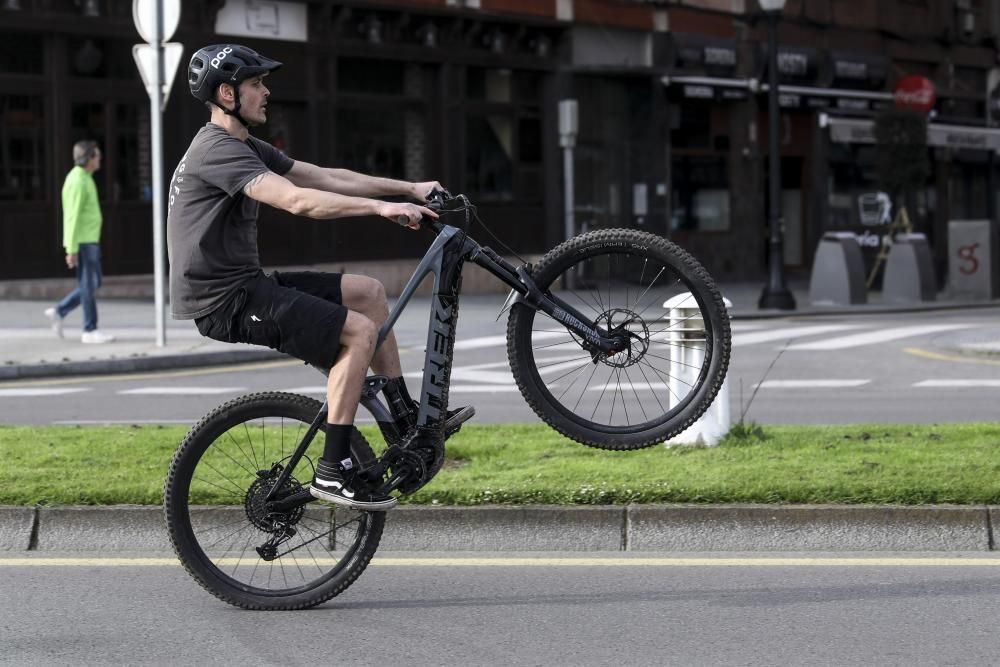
(656, 295)
(218, 524)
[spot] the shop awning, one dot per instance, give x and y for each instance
(789, 95)
(862, 131)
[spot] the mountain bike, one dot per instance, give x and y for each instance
(590, 346)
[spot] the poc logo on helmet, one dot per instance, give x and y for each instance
(220, 56)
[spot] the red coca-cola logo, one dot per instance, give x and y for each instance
(915, 92)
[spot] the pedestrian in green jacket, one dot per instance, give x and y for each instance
(81, 239)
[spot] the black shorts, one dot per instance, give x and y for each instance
(300, 314)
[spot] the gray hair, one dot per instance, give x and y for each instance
(83, 151)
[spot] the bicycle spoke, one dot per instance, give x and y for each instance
(250, 442)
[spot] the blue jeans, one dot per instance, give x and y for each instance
(88, 273)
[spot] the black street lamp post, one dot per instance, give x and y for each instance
(776, 293)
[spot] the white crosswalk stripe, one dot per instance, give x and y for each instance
(942, 384)
(179, 391)
(33, 392)
(787, 333)
(878, 336)
(812, 384)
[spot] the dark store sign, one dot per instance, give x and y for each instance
(694, 53)
(849, 69)
(946, 136)
(720, 56)
(699, 92)
(853, 70)
(915, 92)
(793, 64)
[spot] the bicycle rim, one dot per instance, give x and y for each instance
(666, 305)
(217, 486)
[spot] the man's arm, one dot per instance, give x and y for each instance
(347, 182)
(279, 192)
(72, 202)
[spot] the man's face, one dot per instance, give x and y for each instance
(94, 163)
(253, 100)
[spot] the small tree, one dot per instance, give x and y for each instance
(901, 151)
(902, 164)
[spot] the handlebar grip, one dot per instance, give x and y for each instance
(403, 221)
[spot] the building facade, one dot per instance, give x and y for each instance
(672, 117)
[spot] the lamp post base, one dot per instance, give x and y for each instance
(779, 298)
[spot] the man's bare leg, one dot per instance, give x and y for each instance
(343, 393)
(347, 377)
(367, 296)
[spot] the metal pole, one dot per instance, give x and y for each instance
(776, 294)
(569, 201)
(156, 126)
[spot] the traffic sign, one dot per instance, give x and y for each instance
(144, 15)
(145, 60)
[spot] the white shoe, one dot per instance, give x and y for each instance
(96, 337)
(57, 321)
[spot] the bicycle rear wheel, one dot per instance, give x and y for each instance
(657, 295)
(234, 548)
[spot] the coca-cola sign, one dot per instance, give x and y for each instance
(915, 92)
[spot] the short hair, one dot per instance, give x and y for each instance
(83, 151)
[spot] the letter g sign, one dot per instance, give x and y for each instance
(220, 56)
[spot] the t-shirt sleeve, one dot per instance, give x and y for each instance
(231, 164)
(274, 158)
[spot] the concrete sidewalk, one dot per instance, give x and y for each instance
(632, 528)
(29, 349)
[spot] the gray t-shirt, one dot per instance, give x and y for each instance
(211, 224)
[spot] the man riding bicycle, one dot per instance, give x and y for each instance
(329, 320)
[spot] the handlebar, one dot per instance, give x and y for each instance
(436, 201)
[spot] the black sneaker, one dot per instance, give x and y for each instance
(329, 485)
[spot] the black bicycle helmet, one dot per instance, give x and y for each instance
(214, 65)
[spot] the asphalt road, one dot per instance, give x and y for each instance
(846, 369)
(736, 609)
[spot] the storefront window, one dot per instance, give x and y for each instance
(372, 143)
(22, 148)
(21, 54)
(700, 194)
(503, 134)
(700, 167)
(101, 58)
(489, 157)
(132, 177)
(375, 77)
(382, 122)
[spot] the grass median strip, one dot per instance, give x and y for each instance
(531, 464)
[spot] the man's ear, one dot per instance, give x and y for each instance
(225, 93)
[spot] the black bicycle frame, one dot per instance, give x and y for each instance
(449, 251)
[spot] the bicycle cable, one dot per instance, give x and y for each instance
(470, 207)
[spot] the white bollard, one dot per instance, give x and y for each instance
(686, 335)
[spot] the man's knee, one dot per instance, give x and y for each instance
(359, 334)
(366, 293)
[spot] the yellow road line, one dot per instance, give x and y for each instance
(937, 356)
(157, 374)
(857, 561)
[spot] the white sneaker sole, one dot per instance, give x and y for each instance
(320, 494)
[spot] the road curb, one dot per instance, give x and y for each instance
(137, 364)
(682, 528)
